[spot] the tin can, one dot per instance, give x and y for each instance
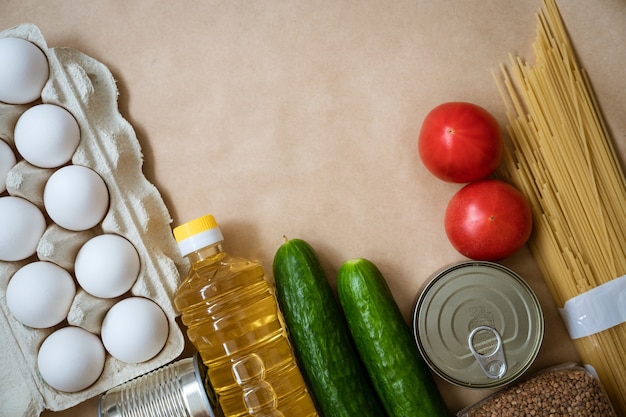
(174, 390)
(478, 324)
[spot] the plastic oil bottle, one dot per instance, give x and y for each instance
(233, 320)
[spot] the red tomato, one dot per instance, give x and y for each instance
(488, 220)
(460, 142)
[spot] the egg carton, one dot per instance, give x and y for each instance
(109, 146)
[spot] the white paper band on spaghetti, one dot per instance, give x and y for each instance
(596, 310)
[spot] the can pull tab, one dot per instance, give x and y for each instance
(485, 344)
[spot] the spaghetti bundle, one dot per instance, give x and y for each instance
(563, 160)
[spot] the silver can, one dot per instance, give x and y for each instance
(478, 325)
(175, 390)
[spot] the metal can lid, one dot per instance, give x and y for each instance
(478, 325)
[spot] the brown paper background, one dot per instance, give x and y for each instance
(301, 118)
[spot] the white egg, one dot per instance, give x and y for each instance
(7, 161)
(107, 266)
(24, 71)
(134, 330)
(40, 294)
(71, 359)
(76, 197)
(46, 135)
(21, 224)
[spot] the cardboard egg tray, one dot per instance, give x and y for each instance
(109, 146)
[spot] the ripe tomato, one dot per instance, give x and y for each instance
(488, 220)
(460, 142)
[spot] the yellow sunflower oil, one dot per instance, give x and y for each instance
(234, 321)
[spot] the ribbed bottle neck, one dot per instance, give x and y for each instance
(212, 253)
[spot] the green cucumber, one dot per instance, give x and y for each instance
(319, 333)
(385, 343)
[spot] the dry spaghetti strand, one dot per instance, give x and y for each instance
(562, 158)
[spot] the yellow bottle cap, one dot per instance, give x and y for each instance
(193, 227)
(197, 233)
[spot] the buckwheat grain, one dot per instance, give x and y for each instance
(559, 392)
